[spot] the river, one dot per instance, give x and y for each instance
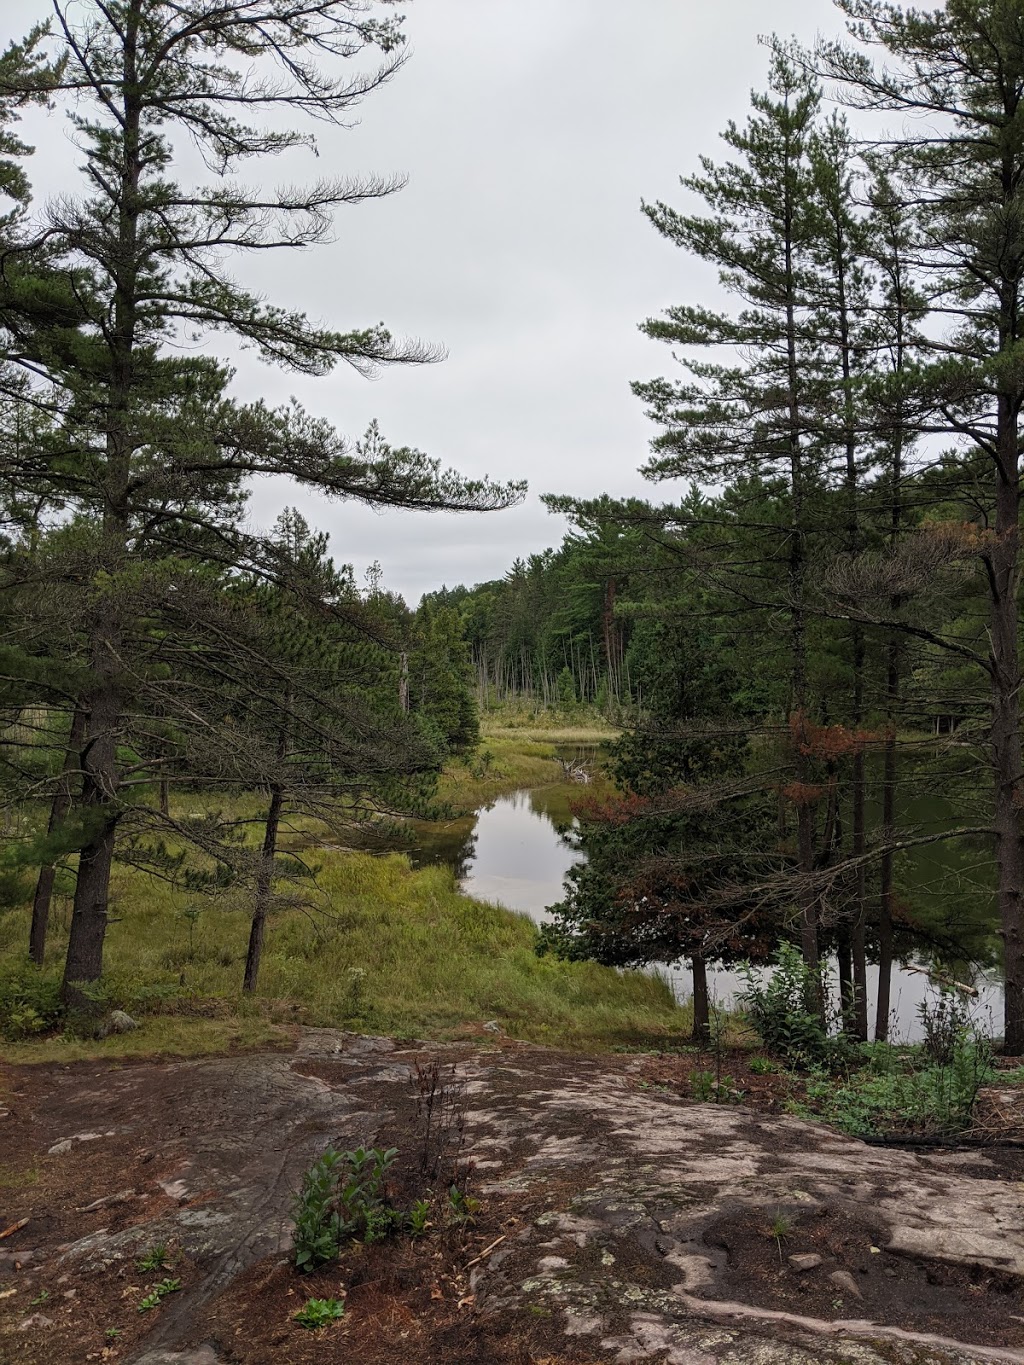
(511, 852)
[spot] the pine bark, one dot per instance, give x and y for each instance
(1002, 561)
(264, 886)
(701, 1001)
(58, 811)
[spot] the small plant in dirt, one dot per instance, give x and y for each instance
(41, 1297)
(362, 1193)
(419, 1217)
(343, 1198)
(316, 1219)
(462, 1207)
(708, 1088)
(112, 1333)
(319, 1313)
(157, 1294)
(153, 1258)
(764, 1066)
(779, 1228)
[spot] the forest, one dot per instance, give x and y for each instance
(818, 628)
(766, 712)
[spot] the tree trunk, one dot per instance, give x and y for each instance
(264, 881)
(84, 962)
(701, 1001)
(403, 680)
(1002, 560)
(885, 902)
(58, 810)
(100, 770)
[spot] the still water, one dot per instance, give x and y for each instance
(512, 853)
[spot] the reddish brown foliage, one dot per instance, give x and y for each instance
(828, 743)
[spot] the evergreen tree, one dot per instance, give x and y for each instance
(149, 450)
(957, 73)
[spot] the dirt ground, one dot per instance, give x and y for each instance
(618, 1221)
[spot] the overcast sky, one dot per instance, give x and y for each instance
(530, 130)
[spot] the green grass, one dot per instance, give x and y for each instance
(500, 765)
(382, 949)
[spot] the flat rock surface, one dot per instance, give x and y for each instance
(617, 1223)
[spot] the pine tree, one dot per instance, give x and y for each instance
(957, 73)
(149, 450)
(755, 415)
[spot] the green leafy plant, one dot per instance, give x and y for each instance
(709, 1088)
(343, 1197)
(763, 1066)
(778, 1004)
(112, 1333)
(462, 1207)
(319, 1313)
(419, 1217)
(30, 1002)
(702, 1086)
(902, 1092)
(41, 1297)
(158, 1293)
(317, 1222)
(153, 1258)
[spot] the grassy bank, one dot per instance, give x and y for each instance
(501, 764)
(518, 748)
(385, 950)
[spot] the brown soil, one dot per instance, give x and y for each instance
(582, 1163)
(924, 1295)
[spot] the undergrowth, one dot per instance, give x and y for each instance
(381, 949)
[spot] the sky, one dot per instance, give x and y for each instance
(529, 130)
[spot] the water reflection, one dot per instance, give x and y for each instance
(511, 852)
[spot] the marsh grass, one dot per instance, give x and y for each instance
(501, 764)
(381, 949)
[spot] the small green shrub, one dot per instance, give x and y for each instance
(896, 1094)
(462, 1207)
(763, 1066)
(155, 1258)
(158, 1293)
(30, 1002)
(343, 1197)
(419, 1217)
(318, 1232)
(319, 1313)
(709, 1088)
(779, 1006)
